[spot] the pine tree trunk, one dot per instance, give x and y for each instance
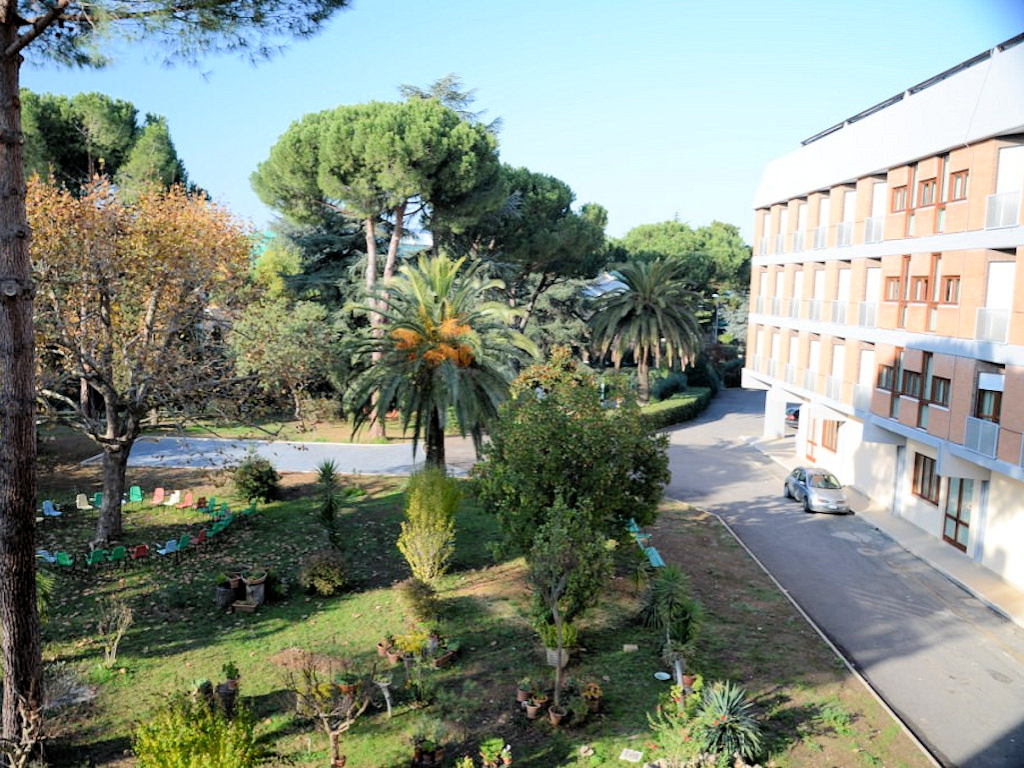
(19, 617)
(115, 466)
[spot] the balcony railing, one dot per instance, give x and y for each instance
(867, 314)
(862, 396)
(780, 243)
(757, 363)
(844, 234)
(833, 388)
(794, 307)
(1002, 210)
(799, 241)
(981, 436)
(874, 229)
(993, 324)
(759, 304)
(776, 306)
(814, 309)
(773, 368)
(820, 238)
(763, 250)
(838, 314)
(791, 374)
(810, 380)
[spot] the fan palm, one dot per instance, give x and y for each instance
(444, 348)
(650, 315)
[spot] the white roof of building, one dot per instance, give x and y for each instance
(976, 100)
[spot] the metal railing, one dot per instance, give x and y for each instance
(814, 309)
(838, 314)
(992, 325)
(833, 388)
(981, 436)
(799, 241)
(844, 234)
(862, 396)
(874, 229)
(794, 307)
(867, 314)
(1002, 210)
(820, 238)
(780, 243)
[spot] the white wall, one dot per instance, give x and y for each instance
(1004, 530)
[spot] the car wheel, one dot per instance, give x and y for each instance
(807, 505)
(785, 491)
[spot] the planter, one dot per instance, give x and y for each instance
(533, 709)
(444, 659)
(244, 606)
(255, 588)
(522, 694)
(394, 656)
(593, 705)
(225, 596)
(689, 680)
(383, 648)
(553, 657)
(556, 714)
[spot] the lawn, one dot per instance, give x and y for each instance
(813, 711)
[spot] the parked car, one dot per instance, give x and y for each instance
(817, 489)
(792, 415)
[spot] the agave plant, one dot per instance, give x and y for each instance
(724, 724)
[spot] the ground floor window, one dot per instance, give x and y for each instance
(926, 481)
(956, 525)
(830, 435)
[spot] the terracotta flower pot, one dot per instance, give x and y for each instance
(555, 714)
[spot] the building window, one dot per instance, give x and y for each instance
(919, 289)
(956, 525)
(958, 186)
(830, 435)
(911, 384)
(899, 199)
(892, 289)
(886, 377)
(950, 290)
(939, 391)
(988, 405)
(926, 192)
(926, 482)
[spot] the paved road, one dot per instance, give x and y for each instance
(951, 668)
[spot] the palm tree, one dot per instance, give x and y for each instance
(444, 347)
(650, 315)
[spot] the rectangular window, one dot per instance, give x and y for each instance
(958, 186)
(989, 404)
(892, 289)
(830, 435)
(911, 384)
(957, 519)
(939, 391)
(926, 192)
(886, 377)
(950, 290)
(919, 289)
(899, 199)
(926, 481)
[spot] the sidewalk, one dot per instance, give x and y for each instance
(998, 594)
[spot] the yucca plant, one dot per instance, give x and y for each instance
(724, 724)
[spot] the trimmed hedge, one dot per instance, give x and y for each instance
(676, 409)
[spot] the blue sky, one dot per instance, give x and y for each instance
(657, 109)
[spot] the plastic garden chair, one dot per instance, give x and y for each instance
(135, 495)
(140, 552)
(118, 554)
(43, 554)
(183, 543)
(64, 560)
(158, 496)
(170, 548)
(97, 499)
(49, 510)
(96, 557)
(186, 503)
(173, 499)
(200, 504)
(201, 538)
(82, 502)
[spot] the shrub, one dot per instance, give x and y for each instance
(323, 573)
(256, 478)
(671, 384)
(420, 599)
(428, 532)
(724, 724)
(190, 733)
(677, 409)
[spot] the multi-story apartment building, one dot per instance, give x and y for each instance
(887, 298)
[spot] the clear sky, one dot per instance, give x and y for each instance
(656, 109)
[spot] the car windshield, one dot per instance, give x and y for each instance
(825, 480)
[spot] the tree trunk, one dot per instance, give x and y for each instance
(435, 441)
(376, 423)
(19, 616)
(115, 465)
(643, 376)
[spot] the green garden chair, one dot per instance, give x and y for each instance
(119, 554)
(96, 557)
(64, 560)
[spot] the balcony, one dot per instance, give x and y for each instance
(791, 374)
(1002, 210)
(838, 314)
(794, 308)
(862, 396)
(810, 380)
(780, 243)
(981, 436)
(814, 309)
(992, 325)
(844, 234)
(820, 238)
(799, 241)
(764, 250)
(833, 388)
(759, 304)
(867, 314)
(773, 368)
(874, 229)
(776, 306)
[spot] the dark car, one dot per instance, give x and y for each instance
(792, 415)
(818, 490)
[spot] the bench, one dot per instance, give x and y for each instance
(654, 557)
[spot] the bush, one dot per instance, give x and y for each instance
(257, 479)
(677, 409)
(190, 733)
(671, 384)
(323, 573)
(428, 532)
(724, 725)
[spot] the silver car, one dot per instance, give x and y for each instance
(817, 489)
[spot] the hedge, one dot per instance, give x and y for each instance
(677, 409)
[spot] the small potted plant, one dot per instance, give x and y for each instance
(465, 762)
(386, 644)
(579, 708)
(490, 751)
(347, 682)
(592, 694)
(524, 688)
(506, 754)
(231, 674)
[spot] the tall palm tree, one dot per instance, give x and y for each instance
(650, 315)
(443, 347)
